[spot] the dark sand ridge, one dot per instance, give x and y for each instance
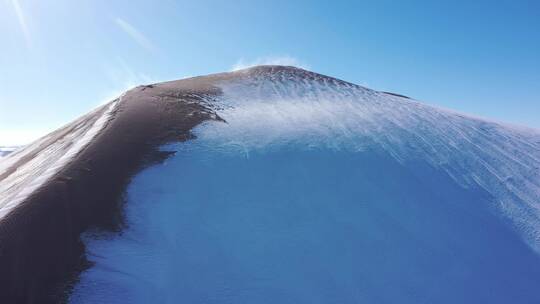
(40, 248)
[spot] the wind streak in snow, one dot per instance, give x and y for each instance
(25, 170)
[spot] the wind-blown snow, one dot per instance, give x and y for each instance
(264, 110)
(25, 170)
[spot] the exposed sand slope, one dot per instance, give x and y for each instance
(73, 179)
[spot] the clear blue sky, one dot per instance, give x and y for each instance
(59, 59)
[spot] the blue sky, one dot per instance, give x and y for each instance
(59, 59)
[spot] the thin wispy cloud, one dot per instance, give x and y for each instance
(136, 35)
(22, 20)
(268, 60)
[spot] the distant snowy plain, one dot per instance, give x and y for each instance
(320, 191)
(4, 151)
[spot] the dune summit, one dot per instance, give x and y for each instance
(272, 184)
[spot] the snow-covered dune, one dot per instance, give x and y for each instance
(272, 185)
(315, 190)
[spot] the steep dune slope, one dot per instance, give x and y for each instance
(73, 179)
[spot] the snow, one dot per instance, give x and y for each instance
(265, 110)
(4, 151)
(319, 191)
(46, 156)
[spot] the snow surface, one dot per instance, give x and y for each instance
(4, 151)
(319, 191)
(265, 110)
(23, 171)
